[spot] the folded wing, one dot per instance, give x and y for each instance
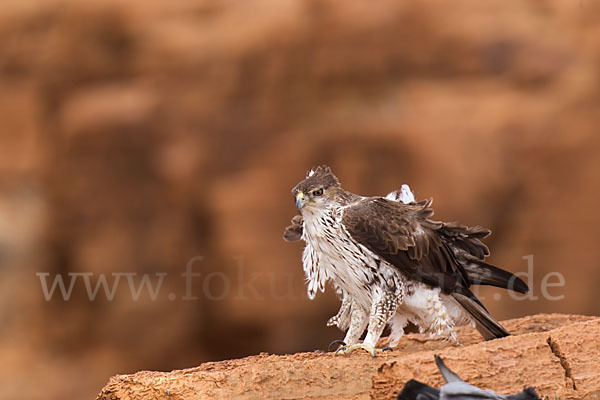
(405, 237)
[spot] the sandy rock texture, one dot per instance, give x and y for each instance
(559, 355)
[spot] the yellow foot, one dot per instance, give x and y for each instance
(345, 350)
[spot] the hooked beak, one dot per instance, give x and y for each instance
(299, 200)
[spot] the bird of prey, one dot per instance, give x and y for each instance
(391, 263)
(456, 388)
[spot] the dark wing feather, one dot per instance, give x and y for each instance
(485, 324)
(466, 238)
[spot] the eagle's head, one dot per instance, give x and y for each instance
(319, 187)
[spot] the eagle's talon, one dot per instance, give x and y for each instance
(334, 343)
(345, 350)
(387, 348)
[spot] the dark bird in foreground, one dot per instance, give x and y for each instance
(391, 263)
(456, 389)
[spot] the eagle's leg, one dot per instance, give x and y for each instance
(358, 323)
(382, 310)
(343, 316)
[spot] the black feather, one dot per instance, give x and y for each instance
(415, 390)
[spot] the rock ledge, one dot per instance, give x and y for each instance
(559, 355)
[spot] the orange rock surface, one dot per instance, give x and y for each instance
(559, 355)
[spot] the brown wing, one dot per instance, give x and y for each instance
(404, 236)
(294, 232)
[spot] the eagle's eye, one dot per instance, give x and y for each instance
(318, 192)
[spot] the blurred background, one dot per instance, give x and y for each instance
(137, 135)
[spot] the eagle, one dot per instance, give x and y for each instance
(391, 263)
